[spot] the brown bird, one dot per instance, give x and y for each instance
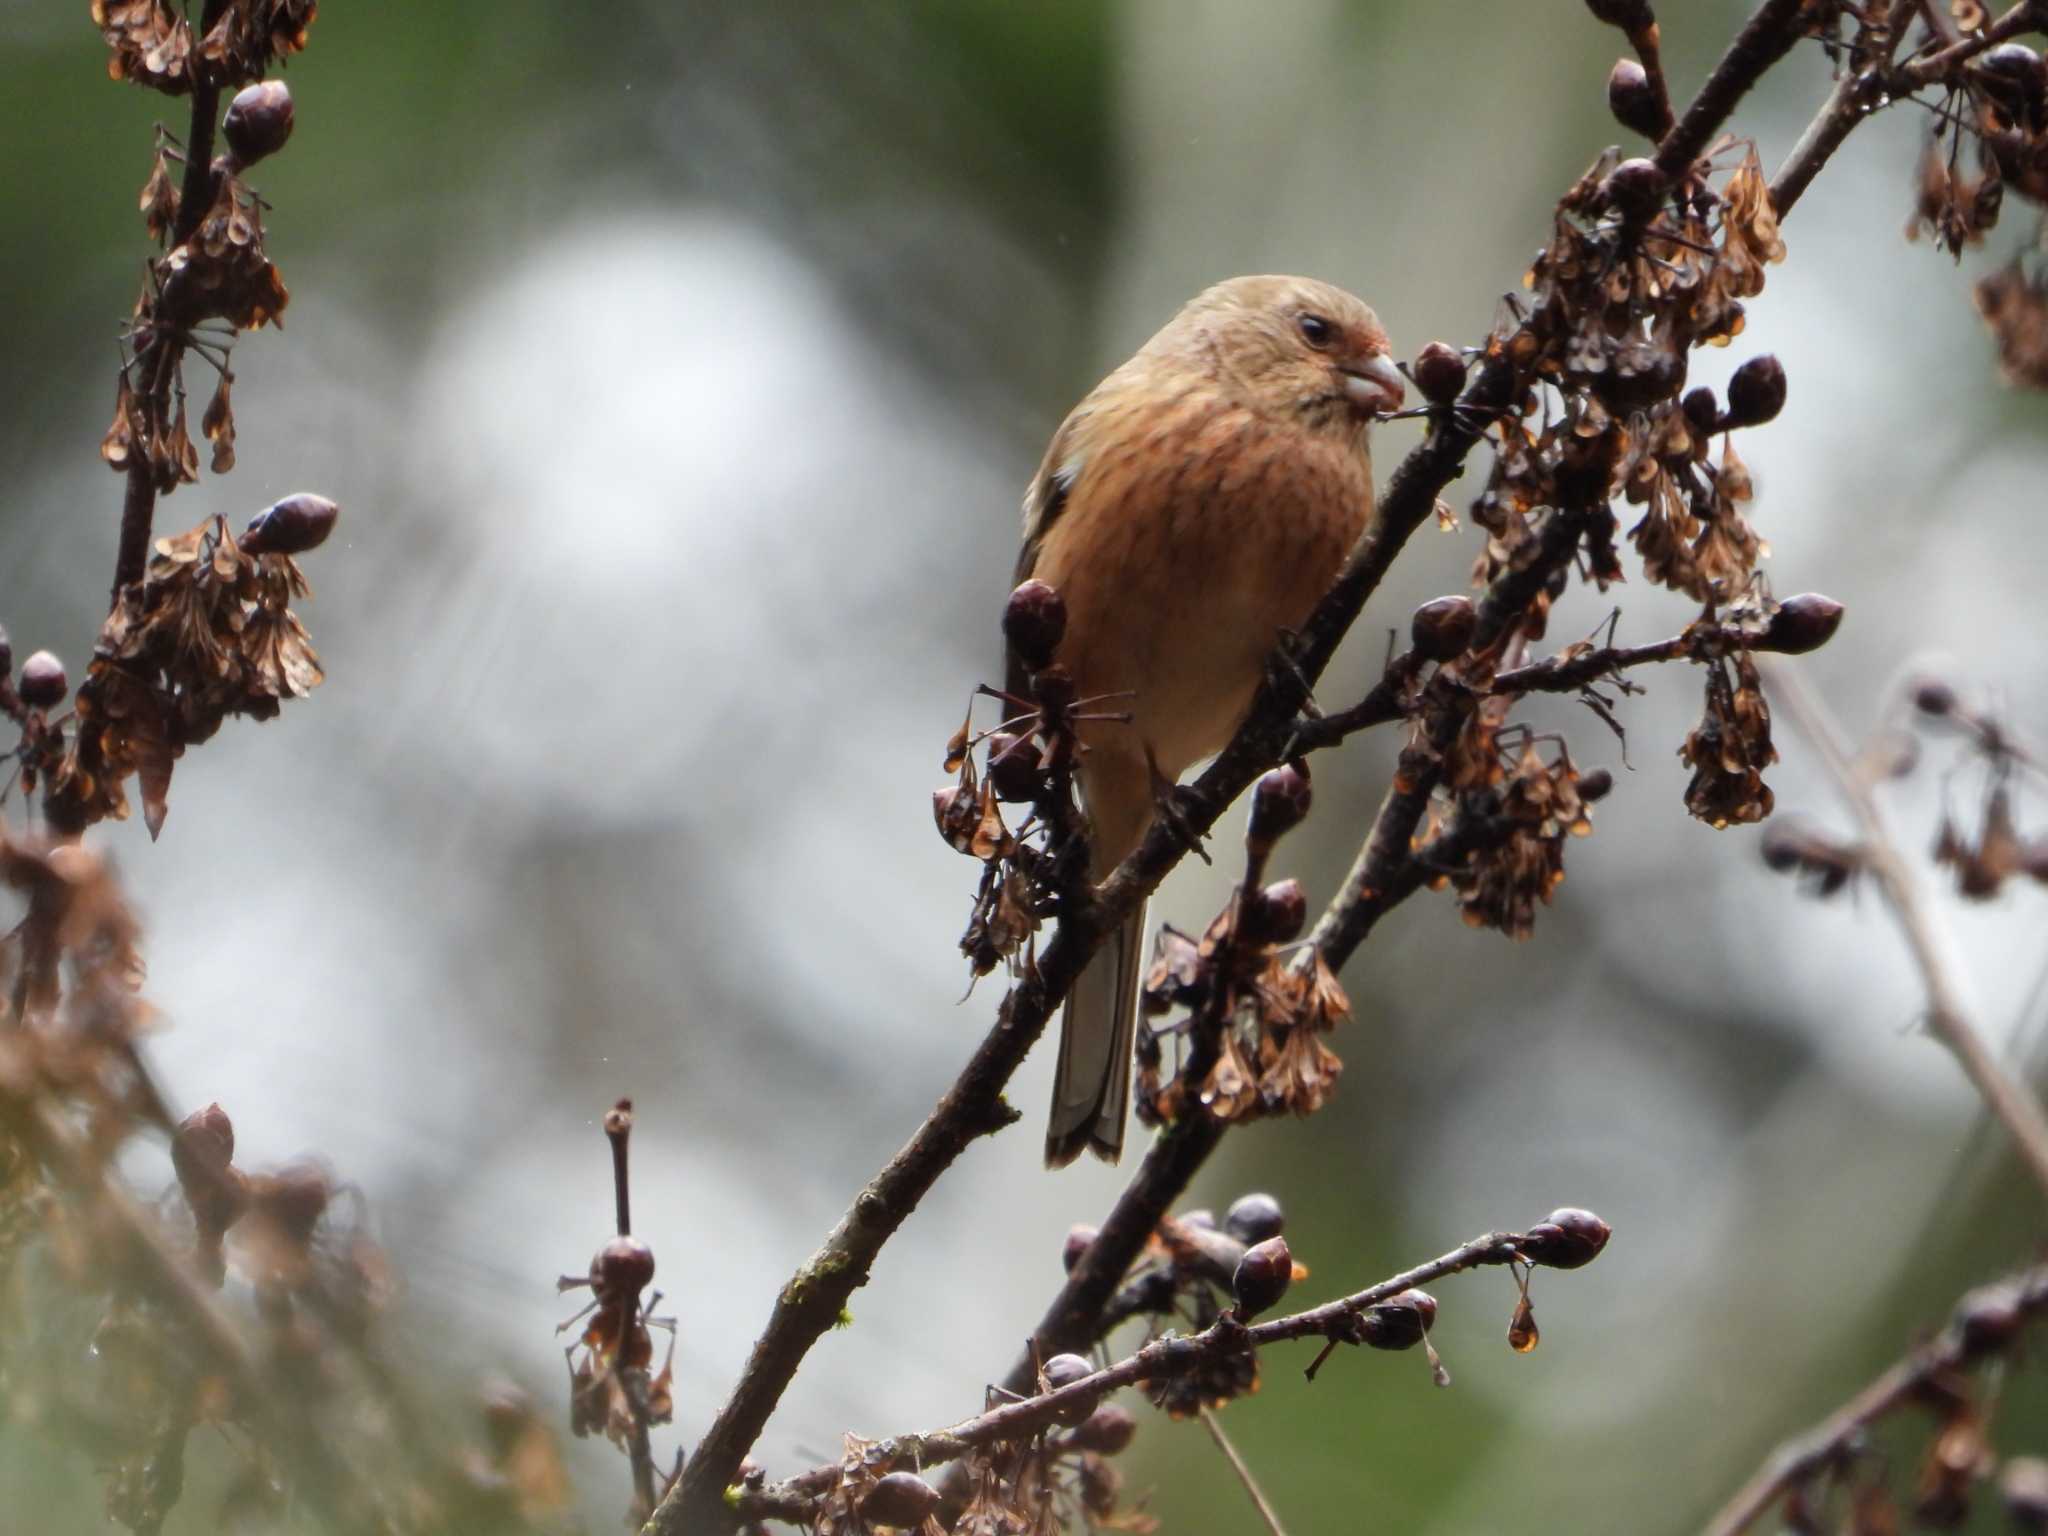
(1191, 509)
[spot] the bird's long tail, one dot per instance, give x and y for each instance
(1091, 1086)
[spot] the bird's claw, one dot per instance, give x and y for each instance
(1176, 803)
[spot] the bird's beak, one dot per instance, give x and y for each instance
(1374, 386)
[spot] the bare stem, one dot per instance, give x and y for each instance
(1212, 1422)
(1948, 1015)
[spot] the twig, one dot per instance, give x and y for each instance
(1948, 1017)
(1267, 1513)
(1766, 38)
(152, 363)
(2024, 17)
(1161, 1359)
(1985, 1321)
(1855, 96)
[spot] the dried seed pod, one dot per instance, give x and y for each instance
(1107, 1431)
(1280, 800)
(259, 121)
(1262, 1277)
(1442, 627)
(1756, 393)
(1802, 623)
(43, 683)
(1633, 100)
(292, 526)
(1439, 371)
(1399, 1322)
(1275, 915)
(1034, 622)
(901, 1499)
(1566, 1239)
(1063, 1371)
(1254, 1218)
(622, 1267)
(1078, 1239)
(1522, 1332)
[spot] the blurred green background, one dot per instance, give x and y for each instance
(679, 369)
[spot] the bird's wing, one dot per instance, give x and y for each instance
(1044, 500)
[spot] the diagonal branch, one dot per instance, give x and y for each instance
(1986, 1321)
(1948, 1015)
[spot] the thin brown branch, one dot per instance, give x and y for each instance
(1766, 38)
(1860, 92)
(1925, 70)
(1161, 1359)
(1986, 1321)
(1213, 1422)
(155, 363)
(1948, 1015)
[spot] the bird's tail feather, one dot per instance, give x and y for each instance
(1091, 1087)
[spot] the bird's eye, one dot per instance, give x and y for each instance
(1317, 331)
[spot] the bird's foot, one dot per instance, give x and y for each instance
(1176, 804)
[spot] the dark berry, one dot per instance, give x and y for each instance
(1034, 622)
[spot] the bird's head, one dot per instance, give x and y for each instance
(1291, 346)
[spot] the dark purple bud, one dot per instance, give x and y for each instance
(1630, 15)
(291, 526)
(1803, 623)
(259, 121)
(1078, 1239)
(1106, 1431)
(1442, 627)
(1063, 1371)
(1439, 371)
(900, 1499)
(1275, 915)
(1034, 622)
(623, 1267)
(1757, 392)
(1568, 1238)
(1931, 696)
(1254, 1218)
(1399, 1322)
(1633, 100)
(1262, 1277)
(43, 683)
(1635, 189)
(1013, 767)
(1702, 411)
(1597, 785)
(1280, 800)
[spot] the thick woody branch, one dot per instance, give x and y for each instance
(1948, 1014)
(1856, 95)
(1986, 1321)
(1160, 1360)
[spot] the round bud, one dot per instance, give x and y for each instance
(1013, 767)
(1803, 623)
(290, 527)
(1262, 1277)
(1597, 785)
(259, 121)
(1063, 1371)
(2024, 1488)
(1931, 696)
(1635, 189)
(1106, 1431)
(1280, 800)
(1988, 1318)
(2015, 77)
(1254, 1218)
(1078, 1239)
(202, 1150)
(1275, 915)
(1439, 371)
(43, 683)
(6, 653)
(623, 1267)
(1781, 847)
(1629, 15)
(1633, 100)
(1442, 627)
(1568, 1238)
(1702, 411)
(901, 1499)
(295, 1198)
(1756, 393)
(1034, 622)
(1054, 688)
(1400, 1321)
